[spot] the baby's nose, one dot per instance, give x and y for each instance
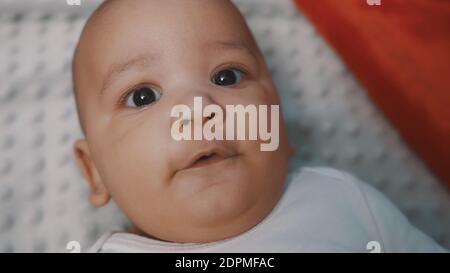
(188, 121)
(192, 113)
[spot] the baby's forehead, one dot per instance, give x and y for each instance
(114, 15)
(116, 34)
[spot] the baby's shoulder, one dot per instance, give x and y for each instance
(335, 195)
(336, 191)
(352, 210)
(329, 207)
(326, 182)
(323, 175)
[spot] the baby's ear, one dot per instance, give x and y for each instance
(99, 195)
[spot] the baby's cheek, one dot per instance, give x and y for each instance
(134, 178)
(259, 94)
(134, 160)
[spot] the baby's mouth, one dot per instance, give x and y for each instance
(209, 157)
(207, 160)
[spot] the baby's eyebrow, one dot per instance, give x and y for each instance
(140, 61)
(143, 60)
(230, 44)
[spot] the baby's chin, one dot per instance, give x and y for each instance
(217, 194)
(219, 218)
(224, 205)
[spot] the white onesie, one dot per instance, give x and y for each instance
(321, 210)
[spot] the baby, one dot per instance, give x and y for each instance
(137, 60)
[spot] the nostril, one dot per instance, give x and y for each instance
(212, 115)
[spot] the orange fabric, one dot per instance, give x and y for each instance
(400, 52)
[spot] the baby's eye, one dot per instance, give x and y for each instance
(142, 96)
(227, 77)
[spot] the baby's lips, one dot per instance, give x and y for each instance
(217, 150)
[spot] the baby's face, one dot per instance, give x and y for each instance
(136, 61)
